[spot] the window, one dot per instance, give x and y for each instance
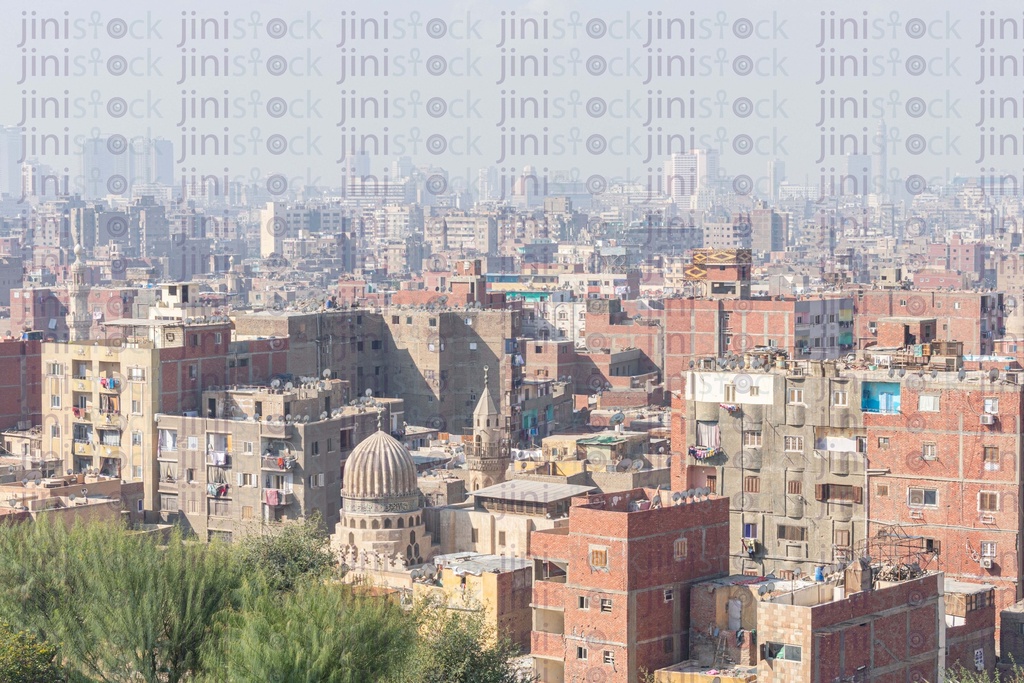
(316, 480)
(193, 372)
(793, 444)
(754, 390)
(752, 439)
(247, 512)
(752, 484)
(789, 653)
(190, 475)
(787, 532)
(730, 393)
(928, 451)
(501, 538)
(136, 438)
(679, 549)
(394, 320)
(168, 503)
(55, 369)
(315, 448)
(883, 442)
(606, 605)
(247, 446)
(55, 401)
(841, 537)
(583, 602)
(711, 482)
(668, 645)
(991, 406)
(474, 535)
(136, 406)
(796, 396)
(928, 403)
(472, 346)
(838, 493)
(795, 487)
(917, 497)
(840, 399)
(609, 657)
(990, 456)
(376, 345)
(247, 479)
(136, 374)
(432, 322)
(581, 652)
(55, 431)
(669, 595)
(988, 501)
(988, 548)
(192, 443)
(599, 558)
(881, 490)
(750, 530)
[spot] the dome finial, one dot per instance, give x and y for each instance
(380, 412)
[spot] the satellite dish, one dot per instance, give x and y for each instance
(935, 373)
(677, 496)
(756, 362)
(327, 373)
(289, 386)
(903, 372)
(288, 418)
(993, 375)
(617, 419)
(276, 383)
(962, 375)
(638, 465)
(705, 491)
(369, 393)
(72, 498)
(323, 415)
(688, 493)
(625, 464)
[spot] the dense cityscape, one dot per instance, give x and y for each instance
(494, 404)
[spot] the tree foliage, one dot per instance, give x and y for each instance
(102, 604)
(457, 646)
(25, 659)
(284, 555)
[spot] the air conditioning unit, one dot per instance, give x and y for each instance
(986, 563)
(987, 419)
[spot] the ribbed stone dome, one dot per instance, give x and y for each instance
(379, 467)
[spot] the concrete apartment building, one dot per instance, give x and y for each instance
(809, 452)
(261, 454)
(432, 357)
(787, 450)
(612, 588)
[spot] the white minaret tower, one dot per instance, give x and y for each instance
(80, 323)
(489, 454)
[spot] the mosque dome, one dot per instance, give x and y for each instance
(380, 470)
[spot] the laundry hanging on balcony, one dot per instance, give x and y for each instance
(702, 452)
(271, 496)
(728, 407)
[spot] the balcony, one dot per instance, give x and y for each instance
(796, 414)
(283, 463)
(218, 459)
(549, 593)
(275, 430)
(84, 448)
(278, 497)
(82, 415)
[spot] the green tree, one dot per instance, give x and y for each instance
(118, 606)
(26, 659)
(457, 646)
(317, 633)
(959, 674)
(284, 553)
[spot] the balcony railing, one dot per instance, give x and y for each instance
(278, 497)
(282, 463)
(218, 458)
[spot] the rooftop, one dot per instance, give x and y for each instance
(532, 491)
(477, 563)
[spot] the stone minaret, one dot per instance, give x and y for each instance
(80, 318)
(488, 455)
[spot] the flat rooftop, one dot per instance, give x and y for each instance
(478, 563)
(532, 491)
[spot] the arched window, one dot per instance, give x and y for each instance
(412, 537)
(387, 523)
(351, 538)
(362, 524)
(401, 523)
(375, 524)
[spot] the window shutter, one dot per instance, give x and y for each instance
(858, 494)
(937, 546)
(238, 478)
(820, 491)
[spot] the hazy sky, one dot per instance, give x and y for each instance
(747, 79)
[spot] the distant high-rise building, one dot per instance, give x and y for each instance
(152, 161)
(10, 160)
(680, 173)
(857, 178)
(881, 178)
(776, 175)
(707, 170)
(106, 167)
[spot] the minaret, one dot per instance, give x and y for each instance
(80, 323)
(489, 454)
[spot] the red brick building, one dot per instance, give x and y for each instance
(943, 463)
(612, 587)
(975, 318)
(20, 382)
